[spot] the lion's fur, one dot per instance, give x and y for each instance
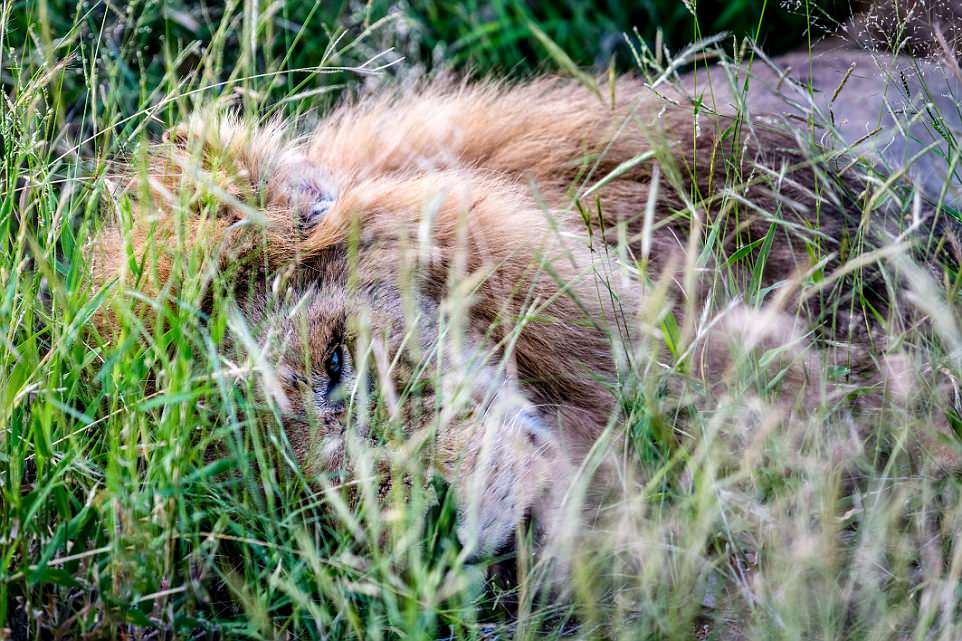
(489, 184)
(493, 169)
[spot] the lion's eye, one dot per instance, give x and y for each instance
(334, 365)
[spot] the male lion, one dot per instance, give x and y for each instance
(514, 200)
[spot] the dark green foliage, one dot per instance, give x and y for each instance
(149, 43)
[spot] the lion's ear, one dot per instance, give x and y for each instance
(306, 188)
(257, 164)
(218, 154)
(252, 180)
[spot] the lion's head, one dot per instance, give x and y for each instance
(399, 294)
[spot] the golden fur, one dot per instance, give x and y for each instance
(478, 192)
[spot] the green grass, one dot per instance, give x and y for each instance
(144, 493)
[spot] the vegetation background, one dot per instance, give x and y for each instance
(114, 524)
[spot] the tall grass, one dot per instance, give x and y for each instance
(145, 493)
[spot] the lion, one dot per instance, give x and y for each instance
(514, 199)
